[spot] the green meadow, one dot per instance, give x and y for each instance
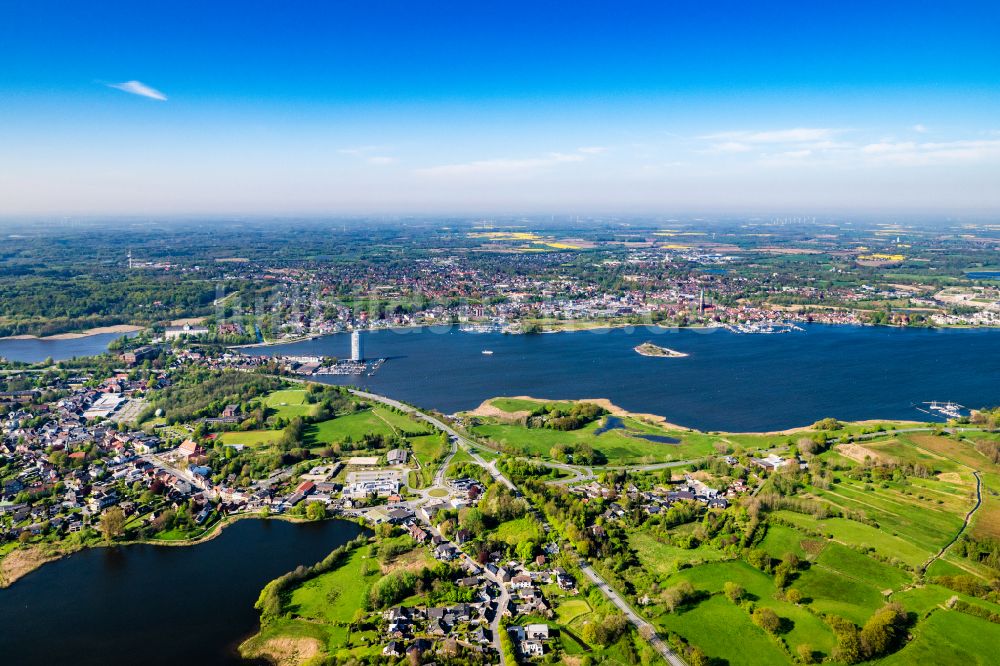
(251, 438)
(620, 447)
(288, 403)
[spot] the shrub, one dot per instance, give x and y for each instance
(734, 591)
(766, 619)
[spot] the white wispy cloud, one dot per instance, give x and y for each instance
(885, 147)
(911, 153)
(359, 150)
(919, 128)
(381, 160)
(792, 135)
(501, 166)
(592, 150)
(785, 158)
(139, 88)
(730, 147)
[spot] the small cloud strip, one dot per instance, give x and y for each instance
(139, 88)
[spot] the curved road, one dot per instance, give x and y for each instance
(645, 629)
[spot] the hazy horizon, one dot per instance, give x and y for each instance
(508, 109)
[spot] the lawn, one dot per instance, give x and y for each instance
(829, 591)
(712, 578)
(570, 609)
(800, 626)
(461, 456)
(485, 453)
(334, 596)
(617, 445)
(921, 600)
(512, 405)
(355, 425)
(780, 540)
(428, 448)
(950, 637)
(570, 645)
(663, 558)
(516, 531)
(401, 423)
(288, 403)
(745, 643)
(251, 438)
(862, 568)
(853, 532)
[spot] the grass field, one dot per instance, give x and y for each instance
(569, 609)
(513, 405)
(950, 637)
(852, 564)
(745, 644)
(428, 448)
(334, 596)
(800, 625)
(780, 540)
(485, 453)
(251, 438)
(288, 403)
(922, 600)
(401, 423)
(354, 425)
(516, 531)
(616, 445)
(830, 591)
(850, 531)
(663, 558)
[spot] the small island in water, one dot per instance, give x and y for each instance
(649, 349)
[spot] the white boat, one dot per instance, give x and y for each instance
(488, 352)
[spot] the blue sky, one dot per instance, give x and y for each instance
(422, 107)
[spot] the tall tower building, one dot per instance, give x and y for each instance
(357, 349)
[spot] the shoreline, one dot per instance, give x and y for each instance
(486, 409)
(59, 553)
(99, 330)
(595, 326)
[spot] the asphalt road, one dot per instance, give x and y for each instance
(645, 629)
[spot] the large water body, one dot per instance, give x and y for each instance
(156, 605)
(33, 350)
(728, 381)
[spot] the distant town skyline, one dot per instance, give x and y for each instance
(441, 107)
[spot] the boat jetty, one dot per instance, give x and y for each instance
(321, 365)
(763, 328)
(948, 409)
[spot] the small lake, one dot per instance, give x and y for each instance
(615, 423)
(729, 381)
(33, 350)
(983, 275)
(157, 605)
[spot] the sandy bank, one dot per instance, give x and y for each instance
(100, 330)
(486, 409)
